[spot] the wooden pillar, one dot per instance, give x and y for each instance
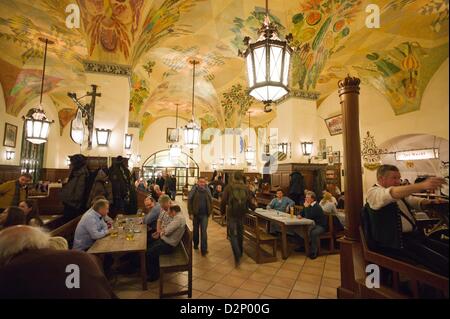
(349, 96)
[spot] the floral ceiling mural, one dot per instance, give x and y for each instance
(156, 39)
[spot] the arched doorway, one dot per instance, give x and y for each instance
(184, 168)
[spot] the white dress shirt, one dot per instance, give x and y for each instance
(379, 196)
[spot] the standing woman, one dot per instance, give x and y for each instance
(31, 211)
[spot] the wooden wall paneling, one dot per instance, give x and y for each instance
(9, 172)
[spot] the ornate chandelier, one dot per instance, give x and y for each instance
(192, 129)
(37, 126)
(268, 61)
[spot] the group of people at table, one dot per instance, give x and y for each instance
(23, 246)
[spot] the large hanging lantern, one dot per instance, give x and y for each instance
(37, 126)
(268, 61)
(77, 128)
(192, 129)
(249, 151)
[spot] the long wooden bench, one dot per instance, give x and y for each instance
(67, 230)
(179, 261)
(416, 275)
(256, 238)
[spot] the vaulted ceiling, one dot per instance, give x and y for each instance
(155, 40)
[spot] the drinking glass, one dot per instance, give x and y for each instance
(114, 230)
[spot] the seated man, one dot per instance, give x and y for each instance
(92, 226)
(392, 224)
(13, 192)
(152, 210)
(313, 211)
(30, 269)
(169, 236)
(281, 202)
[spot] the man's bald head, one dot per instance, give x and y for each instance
(14, 240)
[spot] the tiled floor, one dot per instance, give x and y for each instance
(215, 276)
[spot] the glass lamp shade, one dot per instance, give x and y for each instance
(128, 141)
(233, 161)
(249, 154)
(192, 135)
(174, 151)
(214, 166)
(102, 136)
(222, 162)
(268, 62)
(307, 148)
(138, 158)
(37, 126)
(77, 128)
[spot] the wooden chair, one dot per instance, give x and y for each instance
(328, 235)
(67, 230)
(179, 261)
(415, 274)
(256, 237)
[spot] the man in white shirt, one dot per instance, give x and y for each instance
(392, 223)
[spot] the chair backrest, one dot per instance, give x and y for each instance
(67, 230)
(187, 242)
(298, 209)
(251, 224)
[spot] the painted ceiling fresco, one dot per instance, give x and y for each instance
(157, 38)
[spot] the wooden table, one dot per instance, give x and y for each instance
(114, 245)
(285, 221)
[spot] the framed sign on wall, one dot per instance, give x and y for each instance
(334, 124)
(10, 136)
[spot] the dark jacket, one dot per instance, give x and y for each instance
(384, 226)
(101, 187)
(297, 183)
(41, 274)
(74, 191)
(194, 201)
(226, 206)
(316, 214)
(160, 181)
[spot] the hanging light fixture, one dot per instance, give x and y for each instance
(192, 129)
(249, 151)
(268, 62)
(128, 141)
(175, 149)
(10, 155)
(77, 128)
(102, 136)
(37, 126)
